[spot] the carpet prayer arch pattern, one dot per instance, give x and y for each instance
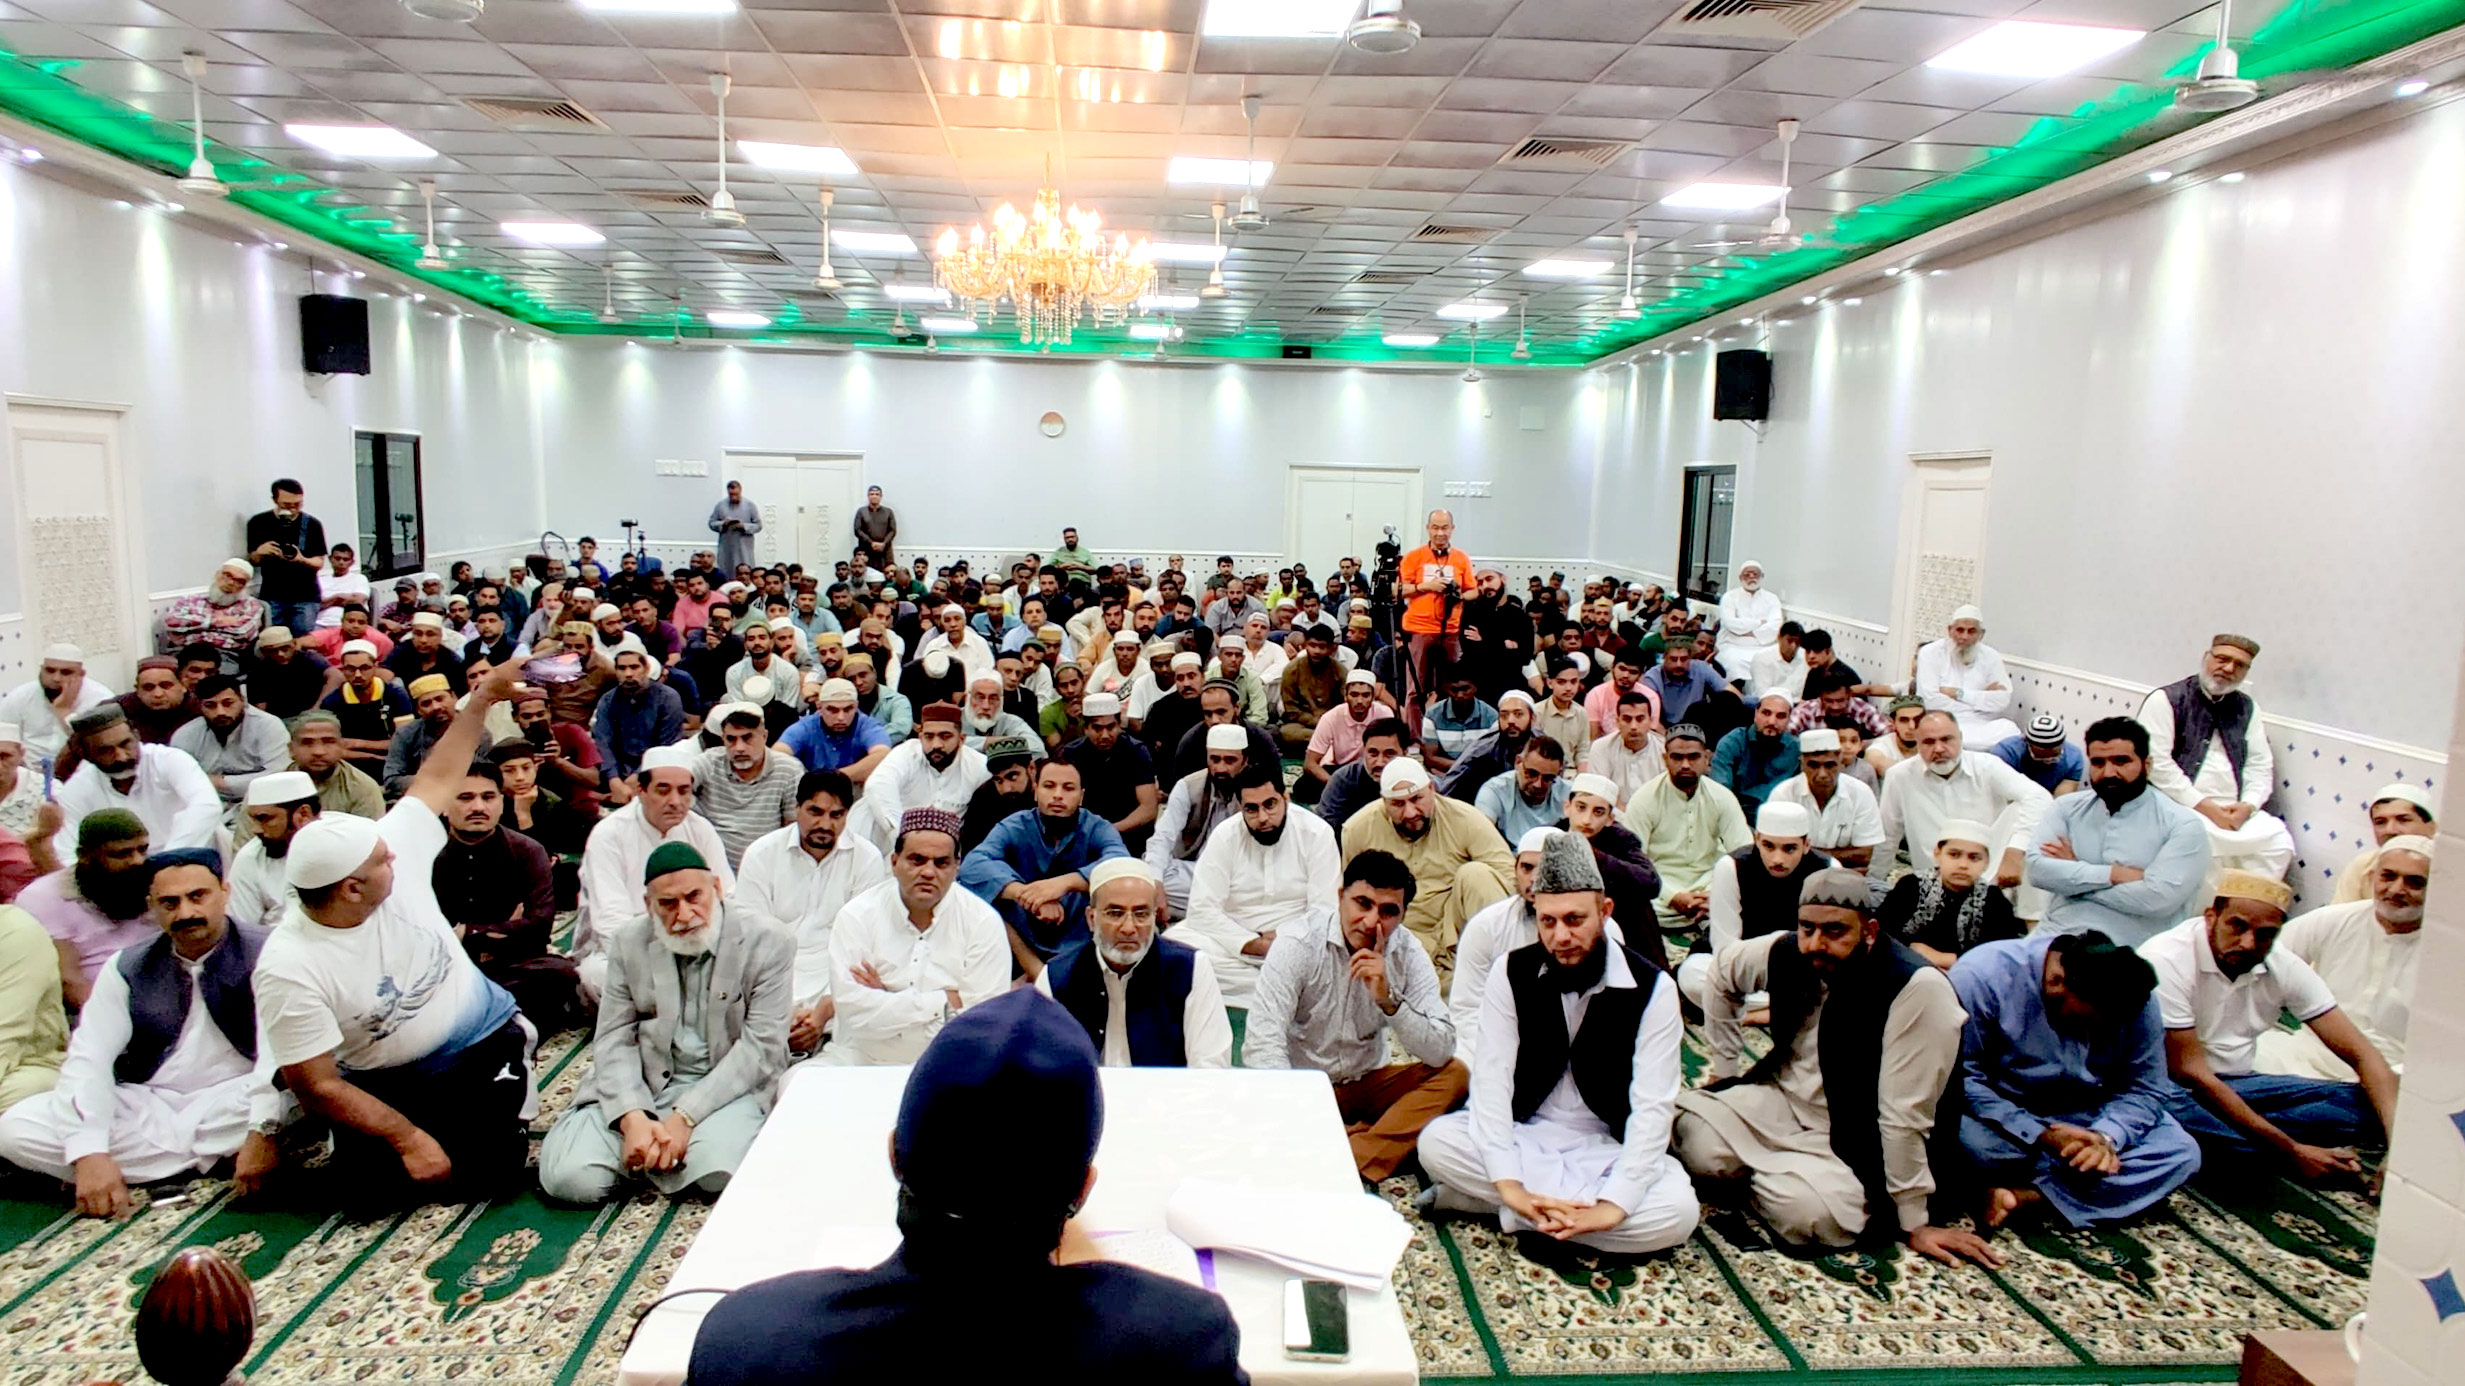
(525, 1291)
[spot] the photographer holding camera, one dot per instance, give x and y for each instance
(1434, 578)
(288, 546)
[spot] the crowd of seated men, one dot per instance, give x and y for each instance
(311, 880)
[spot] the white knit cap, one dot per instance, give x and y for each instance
(1964, 830)
(837, 691)
(669, 758)
(9, 734)
(1783, 820)
(335, 846)
(581, 594)
(280, 787)
(1100, 705)
(1966, 613)
(2415, 843)
(2402, 792)
(1818, 739)
(1534, 839)
(1361, 676)
(603, 611)
(1113, 869)
(783, 623)
(429, 620)
(366, 647)
(238, 567)
(1227, 737)
(1125, 637)
(63, 652)
(1513, 696)
(1188, 659)
(1404, 777)
(937, 665)
(1597, 785)
(759, 689)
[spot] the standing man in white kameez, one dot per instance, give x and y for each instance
(1572, 1148)
(1256, 875)
(796, 879)
(2208, 751)
(162, 1077)
(1963, 675)
(1750, 621)
(2366, 952)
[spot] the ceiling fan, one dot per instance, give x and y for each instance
(1779, 235)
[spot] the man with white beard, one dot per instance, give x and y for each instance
(1255, 876)
(2366, 953)
(1944, 782)
(1750, 621)
(661, 812)
(1963, 675)
(2208, 751)
(692, 1039)
(1145, 1001)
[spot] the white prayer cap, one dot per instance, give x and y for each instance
(783, 623)
(1965, 612)
(1534, 839)
(1783, 820)
(1100, 705)
(1255, 618)
(1818, 739)
(1188, 659)
(9, 734)
(335, 846)
(1159, 649)
(1964, 830)
(1513, 696)
(669, 758)
(1126, 637)
(2407, 793)
(1113, 869)
(1597, 785)
(1776, 696)
(366, 647)
(428, 620)
(632, 643)
(603, 611)
(720, 712)
(1361, 676)
(426, 578)
(63, 653)
(1749, 563)
(581, 594)
(758, 689)
(937, 665)
(1404, 777)
(238, 567)
(1227, 737)
(280, 787)
(837, 691)
(2415, 843)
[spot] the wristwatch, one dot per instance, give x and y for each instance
(269, 1128)
(685, 1117)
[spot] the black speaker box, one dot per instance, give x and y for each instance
(1742, 385)
(1297, 351)
(333, 334)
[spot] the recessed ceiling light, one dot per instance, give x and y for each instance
(1724, 197)
(1167, 303)
(1410, 339)
(1220, 173)
(1277, 18)
(2234, 177)
(948, 325)
(2028, 48)
(1745, 322)
(1853, 302)
(916, 293)
(1568, 269)
(1808, 300)
(661, 6)
(551, 233)
(736, 317)
(2159, 175)
(2413, 87)
(873, 242)
(361, 141)
(1469, 311)
(797, 158)
(1183, 253)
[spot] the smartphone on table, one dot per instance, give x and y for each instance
(1317, 1326)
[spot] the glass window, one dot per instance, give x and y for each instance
(1709, 502)
(392, 524)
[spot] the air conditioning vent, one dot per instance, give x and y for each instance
(1576, 156)
(750, 257)
(533, 113)
(1325, 310)
(662, 199)
(1784, 20)
(1397, 277)
(1439, 233)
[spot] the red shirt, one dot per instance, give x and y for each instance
(1424, 613)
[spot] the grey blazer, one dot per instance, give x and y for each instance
(752, 990)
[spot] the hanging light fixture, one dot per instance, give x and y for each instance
(201, 180)
(1214, 287)
(824, 277)
(1523, 333)
(429, 257)
(607, 295)
(722, 209)
(1055, 267)
(1627, 307)
(1472, 348)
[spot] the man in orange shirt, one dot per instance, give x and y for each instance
(1433, 580)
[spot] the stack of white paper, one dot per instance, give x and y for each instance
(1355, 1239)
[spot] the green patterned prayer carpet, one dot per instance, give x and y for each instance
(523, 1291)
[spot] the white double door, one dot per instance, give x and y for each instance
(1340, 512)
(808, 503)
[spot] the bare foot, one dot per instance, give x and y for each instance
(2002, 1203)
(1760, 1015)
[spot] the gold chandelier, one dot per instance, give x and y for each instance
(1054, 266)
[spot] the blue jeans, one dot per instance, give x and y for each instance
(2311, 1110)
(300, 617)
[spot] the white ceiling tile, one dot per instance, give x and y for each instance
(826, 72)
(1400, 93)
(716, 33)
(1491, 127)
(1610, 21)
(1431, 57)
(1669, 65)
(1263, 55)
(223, 16)
(1359, 122)
(1937, 87)
(1888, 120)
(1815, 75)
(299, 50)
(544, 21)
(1508, 94)
(1641, 103)
(807, 31)
(449, 56)
(1984, 127)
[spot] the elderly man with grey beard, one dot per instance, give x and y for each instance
(692, 1039)
(2208, 751)
(1145, 1001)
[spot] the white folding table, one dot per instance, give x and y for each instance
(820, 1168)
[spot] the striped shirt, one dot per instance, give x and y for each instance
(739, 811)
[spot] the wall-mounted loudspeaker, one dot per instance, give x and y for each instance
(333, 334)
(1742, 385)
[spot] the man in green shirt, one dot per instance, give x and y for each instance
(1077, 565)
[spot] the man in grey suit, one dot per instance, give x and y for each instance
(692, 1039)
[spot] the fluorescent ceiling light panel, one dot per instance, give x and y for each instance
(661, 6)
(1162, 303)
(735, 317)
(1277, 18)
(1151, 331)
(1724, 197)
(916, 293)
(1568, 269)
(1184, 253)
(551, 233)
(2030, 48)
(946, 325)
(1220, 173)
(873, 242)
(1473, 312)
(1410, 339)
(360, 141)
(797, 158)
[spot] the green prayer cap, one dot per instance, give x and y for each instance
(672, 856)
(106, 826)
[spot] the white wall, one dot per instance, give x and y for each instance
(200, 339)
(1154, 457)
(2237, 406)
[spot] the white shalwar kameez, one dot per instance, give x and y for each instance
(906, 780)
(1564, 1150)
(780, 884)
(1749, 625)
(2371, 973)
(258, 892)
(2262, 843)
(612, 861)
(1980, 706)
(1240, 889)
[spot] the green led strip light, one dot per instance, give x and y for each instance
(2305, 37)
